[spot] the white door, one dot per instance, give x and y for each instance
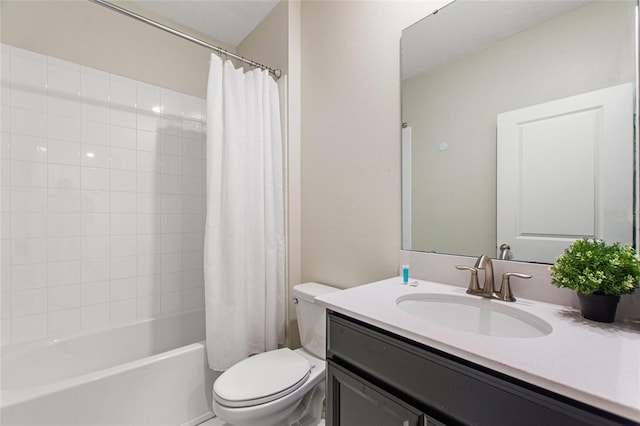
(565, 171)
(406, 188)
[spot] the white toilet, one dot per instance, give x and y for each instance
(284, 386)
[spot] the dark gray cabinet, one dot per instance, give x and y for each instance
(360, 403)
(377, 378)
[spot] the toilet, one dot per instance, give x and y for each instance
(283, 386)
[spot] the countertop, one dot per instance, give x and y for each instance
(595, 363)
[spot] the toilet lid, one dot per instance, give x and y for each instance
(261, 378)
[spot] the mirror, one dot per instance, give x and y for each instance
(467, 70)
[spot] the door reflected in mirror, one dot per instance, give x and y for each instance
(565, 178)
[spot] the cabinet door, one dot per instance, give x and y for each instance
(352, 401)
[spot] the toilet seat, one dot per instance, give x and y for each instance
(262, 378)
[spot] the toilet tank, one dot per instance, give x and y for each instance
(311, 317)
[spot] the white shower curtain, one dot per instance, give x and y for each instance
(244, 253)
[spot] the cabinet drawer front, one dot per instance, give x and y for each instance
(454, 389)
(353, 401)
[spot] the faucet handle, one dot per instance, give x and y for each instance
(505, 288)
(474, 286)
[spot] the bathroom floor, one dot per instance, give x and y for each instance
(217, 422)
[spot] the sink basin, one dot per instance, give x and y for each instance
(474, 315)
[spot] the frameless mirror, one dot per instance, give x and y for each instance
(518, 127)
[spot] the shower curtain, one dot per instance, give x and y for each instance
(244, 253)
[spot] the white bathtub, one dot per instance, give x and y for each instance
(152, 372)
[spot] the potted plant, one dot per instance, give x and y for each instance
(599, 273)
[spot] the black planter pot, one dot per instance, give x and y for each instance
(598, 307)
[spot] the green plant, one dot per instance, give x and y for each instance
(592, 267)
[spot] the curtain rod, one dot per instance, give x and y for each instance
(275, 72)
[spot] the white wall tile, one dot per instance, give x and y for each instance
(123, 202)
(27, 173)
(171, 103)
(94, 270)
(193, 298)
(148, 162)
(171, 282)
(147, 203)
(171, 243)
(63, 297)
(123, 159)
(123, 224)
(63, 80)
(148, 141)
(28, 72)
(123, 311)
(149, 224)
(123, 245)
(149, 306)
(171, 184)
(193, 223)
(64, 322)
(28, 225)
(149, 182)
(95, 246)
(29, 98)
(149, 264)
(64, 248)
(29, 250)
(123, 267)
(29, 276)
(193, 166)
(64, 225)
(95, 224)
(64, 200)
(96, 133)
(95, 201)
(192, 279)
(102, 198)
(192, 260)
(192, 185)
(64, 128)
(123, 137)
(123, 180)
(28, 302)
(170, 144)
(171, 223)
(171, 302)
(123, 289)
(95, 316)
(61, 176)
(64, 273)
(95, 178)
(28, 200)
(28, 328)
(148, 285)
(147, 97)
(95, 156)
(192, 241)
(95, 293)
(193, 204)
(64, 152)
(171, 164)
(28, 148)
(148, 244)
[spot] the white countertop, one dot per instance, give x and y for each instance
(595, 363)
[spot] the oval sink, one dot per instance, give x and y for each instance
(480, 316)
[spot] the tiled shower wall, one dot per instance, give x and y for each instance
(102, 198)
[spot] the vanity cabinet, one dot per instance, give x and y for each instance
(377, 378)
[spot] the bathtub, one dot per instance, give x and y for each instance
(152, 372)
